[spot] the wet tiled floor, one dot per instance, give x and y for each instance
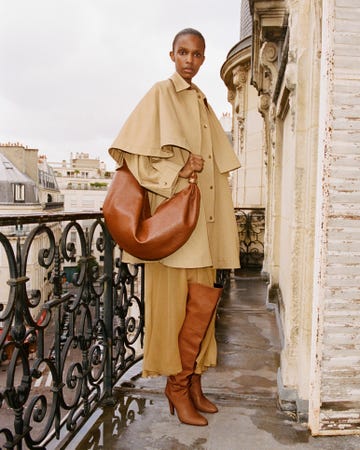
(243, 385)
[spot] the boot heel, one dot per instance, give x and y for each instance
(171, 407)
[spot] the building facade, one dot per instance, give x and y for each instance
(28, 162)
(27, 186)
(83, 182)
(249, 182)
(304, 66)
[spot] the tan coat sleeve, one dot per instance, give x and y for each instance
(158, 175)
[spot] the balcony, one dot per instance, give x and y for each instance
(71, 339)
(72, 329)
(64, 343)
(71, 324)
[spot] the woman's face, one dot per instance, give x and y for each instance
(188, 55)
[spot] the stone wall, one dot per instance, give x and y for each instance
(305, 59)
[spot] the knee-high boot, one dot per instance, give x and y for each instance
(200, 307)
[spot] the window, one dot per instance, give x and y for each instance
(19, 193)
(7, 165)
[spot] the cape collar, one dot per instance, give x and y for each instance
(181, 85)
(179, 82)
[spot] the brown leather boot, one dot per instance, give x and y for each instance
(200, 307)
(199, 400)
(178, 395)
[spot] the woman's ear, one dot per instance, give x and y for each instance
(171, 54)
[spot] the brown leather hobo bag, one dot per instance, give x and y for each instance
(149, 237)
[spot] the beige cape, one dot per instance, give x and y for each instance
(169, 122)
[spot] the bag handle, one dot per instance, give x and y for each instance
(193, 178)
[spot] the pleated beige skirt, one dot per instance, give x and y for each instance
(166, 291)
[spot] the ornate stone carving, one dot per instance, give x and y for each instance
(240, 76)
(231, 96)
(239, 80)
(291, 71)
(264, 103)
(268, 59)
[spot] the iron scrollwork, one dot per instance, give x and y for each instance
(251, 229)
(66, 337)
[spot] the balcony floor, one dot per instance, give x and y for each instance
(243, 385)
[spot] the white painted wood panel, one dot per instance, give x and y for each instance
(335, 384)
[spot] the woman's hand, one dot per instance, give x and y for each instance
(195, 163)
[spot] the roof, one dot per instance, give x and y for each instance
(11, 176)
(245, 20)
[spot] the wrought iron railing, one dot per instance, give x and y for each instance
(72, 320)
(67, 336)
(251, 229)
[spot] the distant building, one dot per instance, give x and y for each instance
(49, 192)
(30, 165)
(248, 182)
(80, 165)
(226, 123)
(17, 190)
(83, 182)
(27, 186)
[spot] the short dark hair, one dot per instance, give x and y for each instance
(188, 31)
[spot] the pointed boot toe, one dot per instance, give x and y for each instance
(199, 400)
(180, 401)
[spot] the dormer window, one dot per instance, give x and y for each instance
(8, 165)
(19, 192)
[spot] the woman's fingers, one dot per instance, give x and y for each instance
(196, 163)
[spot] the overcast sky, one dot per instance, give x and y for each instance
(71, 71)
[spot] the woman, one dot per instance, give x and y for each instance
(172, 133)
